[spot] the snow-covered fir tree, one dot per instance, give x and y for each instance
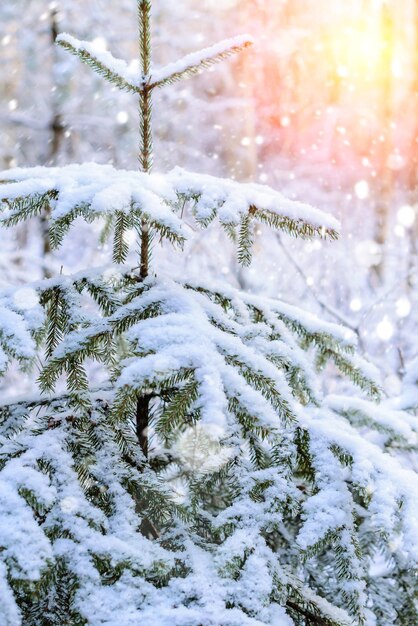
(192, 472)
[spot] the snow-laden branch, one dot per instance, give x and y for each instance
(128, 77)
(91, 190)
(231, 201)
(102, 61)
(196, 61)
(393, 488)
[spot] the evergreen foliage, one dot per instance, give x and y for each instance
(203, 477)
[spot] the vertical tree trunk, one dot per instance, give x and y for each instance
(145, 159)
(56, 135)
(56, 125)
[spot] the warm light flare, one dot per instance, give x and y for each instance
(364, 49)
(330, 83)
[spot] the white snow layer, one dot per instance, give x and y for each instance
(102, 190)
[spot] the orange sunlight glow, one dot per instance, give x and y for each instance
(364, 49)
(336, 83)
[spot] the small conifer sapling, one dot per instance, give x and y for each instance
(203, 478)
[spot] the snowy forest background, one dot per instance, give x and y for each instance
(324, 109)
